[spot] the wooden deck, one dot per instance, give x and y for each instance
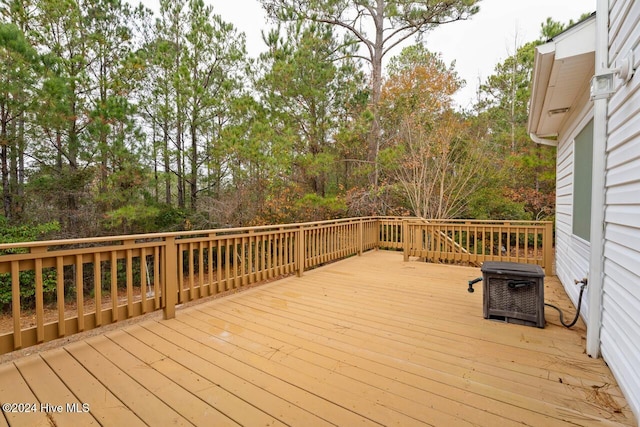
(369, 340)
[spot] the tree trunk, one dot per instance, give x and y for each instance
(179, 141)
(4, 142)
(373, 139)
(180, 162)
(167, 163)
(19, 203)
(194, 167)
(156, 178)
(102, 139)
(513, 105)
(13, 173)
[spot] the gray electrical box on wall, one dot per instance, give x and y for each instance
(513, 293)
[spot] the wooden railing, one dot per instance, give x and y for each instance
(58, 288)
(473, 242)
(87, 283)
(391, 233)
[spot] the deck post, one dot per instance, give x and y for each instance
(548, 248)
(301, 251)
(360, 236)
(405, 240)
(170, 291)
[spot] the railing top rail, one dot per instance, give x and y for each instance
(418, 221)
(116, 240)
(184, 234)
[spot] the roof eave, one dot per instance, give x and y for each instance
(562, 68)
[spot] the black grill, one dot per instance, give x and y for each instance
(513, 293)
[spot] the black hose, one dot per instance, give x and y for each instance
(575, 319)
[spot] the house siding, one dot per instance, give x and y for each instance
(572, 252)
(620, 331)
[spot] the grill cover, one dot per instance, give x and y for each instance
(513, 293)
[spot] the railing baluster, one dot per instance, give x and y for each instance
(210, 282)
(237, 263)
(190, 264)
(280, 253)
(310, 235)
(219, 265)
(15, 304)
(243, 261)
(285, 252)
(323, 245)
(270, 256)
(227, 264)
(60, 295)
(302, 251)
(39, 302)
(80, 292)
(180, 270)
(114, 286)
(143, 279)
(535, 232)
(129, 279)
(200, 291)
(288, 253)
(169, 290)
(547, 248)
(321, 248)
(97, 287)
(156, 277)
(255, 258)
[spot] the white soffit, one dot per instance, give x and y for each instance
(562, 72)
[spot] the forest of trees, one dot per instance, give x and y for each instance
(115, 120)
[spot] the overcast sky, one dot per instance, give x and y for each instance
(476, 45)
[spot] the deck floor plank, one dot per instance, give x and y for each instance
(188, 405)
(15, 390)
(421, 330)
(146, 405)
(451, 386)
(294, 384)
(104, 406)
(359, 396)
(450, 346)
(423, 309)
(268, 394)
(405, 397)
(242, 412)
(52, 392)
(370, 340)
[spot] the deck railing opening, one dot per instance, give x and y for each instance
(54, 289)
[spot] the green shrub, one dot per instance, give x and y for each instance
(25, 233)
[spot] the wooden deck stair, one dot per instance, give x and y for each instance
(369, 340)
